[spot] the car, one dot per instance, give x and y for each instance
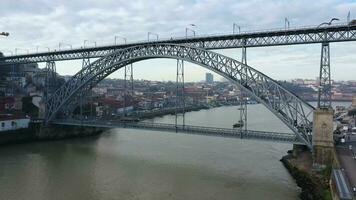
(352, 22)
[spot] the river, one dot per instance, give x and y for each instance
(138, 164)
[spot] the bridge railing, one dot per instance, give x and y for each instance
(223, 132)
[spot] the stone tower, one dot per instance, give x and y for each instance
(323, 141)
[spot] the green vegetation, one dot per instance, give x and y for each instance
(314, 185)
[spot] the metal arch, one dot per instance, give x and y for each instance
(288, 107)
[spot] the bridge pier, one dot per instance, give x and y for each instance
(128, 81)
(243, 100)
(323, 141)
(180, 98)
(354, 101)
(85, 63)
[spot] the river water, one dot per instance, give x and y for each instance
(138, 164)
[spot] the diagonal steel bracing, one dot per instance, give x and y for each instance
(180, 98)
(324, 91)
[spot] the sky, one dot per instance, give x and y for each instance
(46, 23)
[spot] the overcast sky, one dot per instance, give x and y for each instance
(45, 23)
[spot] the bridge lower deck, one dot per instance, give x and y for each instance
(188, 129)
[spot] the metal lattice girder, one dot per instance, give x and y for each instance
(324, 92)
(243, 101)
(180, 98)
(308, 35)
(288, 107)
(51, 78)
(128, 85)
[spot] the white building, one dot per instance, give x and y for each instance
(12, 122)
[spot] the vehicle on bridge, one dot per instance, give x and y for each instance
(352, 22)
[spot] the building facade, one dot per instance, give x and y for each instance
(10, 122)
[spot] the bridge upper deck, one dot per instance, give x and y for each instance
(291, 36)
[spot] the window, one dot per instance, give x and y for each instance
(2, 124)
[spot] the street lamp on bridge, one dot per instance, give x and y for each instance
(61, 44)
(6, 34)
(37, 47)
(286, 23)
(150, 33)
(189, 29)
(85, 41)
(234, 26)
(16, 49)
(125, 40)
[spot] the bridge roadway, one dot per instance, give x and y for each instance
(302, 35)
(188, 129)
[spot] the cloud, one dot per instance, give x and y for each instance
(45, 23)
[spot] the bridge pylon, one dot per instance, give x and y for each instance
(243, 100)
(180, 98)
(324, 90)
(323, 141)
(128, 85)
(85, 63)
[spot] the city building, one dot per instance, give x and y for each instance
(10, 122)
(209, 78)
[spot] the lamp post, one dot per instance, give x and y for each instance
(28, 51)
(85, 41)
(6, 34)
(61, 44)
(151, 33)
(234, 26)
(37, 47)
(286, 23)
(125, 40)
(190, 29)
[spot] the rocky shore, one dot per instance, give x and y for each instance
(314, 184)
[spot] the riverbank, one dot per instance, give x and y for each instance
(37, 132)
(314, 184)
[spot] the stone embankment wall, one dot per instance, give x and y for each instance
(37, 132)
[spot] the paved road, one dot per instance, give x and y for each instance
(348, 163)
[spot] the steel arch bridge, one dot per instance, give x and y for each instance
(288, 107)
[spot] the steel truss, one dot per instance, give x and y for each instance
(189, 129)
(85, 63)
(289, 108)
(128, 82)
(324, 91)
(243, 100)
(310, 35)
(51, 78)
(180, 97)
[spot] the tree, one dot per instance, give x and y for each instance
(352, 113)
